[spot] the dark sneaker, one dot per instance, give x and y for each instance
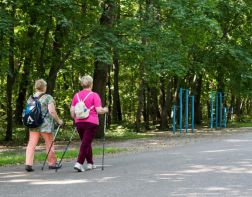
(54, 167)
(29, 168)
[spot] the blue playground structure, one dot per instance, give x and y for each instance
(174, 108)
(218, 113)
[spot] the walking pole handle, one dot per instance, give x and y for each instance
(56, 132)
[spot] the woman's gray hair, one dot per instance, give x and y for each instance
(86, 81)
(40, 85)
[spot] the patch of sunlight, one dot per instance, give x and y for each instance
(243, 162)
(59, 182)
(237, 140)
(7, 173)
(148, 180)
(169, 174)
(218, 169)
(198, 170)
(21, 180)
(151, 181)
(236, 170)
(166, 178)
(14, 175)
(14, 179)
(105, 179)
(217, 189)
(46, 182)
(219, 151)
(177, 180)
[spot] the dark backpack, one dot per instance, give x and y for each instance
(32, 114)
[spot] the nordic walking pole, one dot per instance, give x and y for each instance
(50, 147)
(66, 148)
(103, 144)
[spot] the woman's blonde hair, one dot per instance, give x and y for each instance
(86, 81)
(40, 85)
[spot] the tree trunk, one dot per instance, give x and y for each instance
(169, 99)
(10, 77)
(155, 114)
(1, 52)
(131, 105)
(140, 97)
(56, 58)
(163, 123)
(220, 77)
(101, 69)
(116, 113)
(144, 18)
(176, 96)
(26, 72)
(238, 108)
(41, 63)
(109, 103)
(146, 110)
(100, 82)
(231, 107)
(166, 104)
(248, 106)
(22, 92)
(197, 106)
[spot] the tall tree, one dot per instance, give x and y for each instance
(11, 73)
(27, 66)
(116, 113)
(101, 67)
(144, 19)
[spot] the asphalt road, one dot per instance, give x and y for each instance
(221, 167)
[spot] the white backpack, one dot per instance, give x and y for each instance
(81, 111)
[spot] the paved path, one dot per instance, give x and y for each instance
(221, 167)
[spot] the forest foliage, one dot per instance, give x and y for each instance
(139, 52)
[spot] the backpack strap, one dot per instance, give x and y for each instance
(87, 96)
(85, 99)
(41, 95)
(78, 97)
(37, 97)
(38, 100)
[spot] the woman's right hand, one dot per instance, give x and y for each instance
(60, 122)
(101, 110)
(105, 109)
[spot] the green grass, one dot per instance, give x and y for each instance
(115, 132)
(119, 132)
(245, 121)
(241, 124)
(15, 158)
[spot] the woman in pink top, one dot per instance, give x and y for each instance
(87, 127)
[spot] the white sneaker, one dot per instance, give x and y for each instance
(79, 167)
(90, 166)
